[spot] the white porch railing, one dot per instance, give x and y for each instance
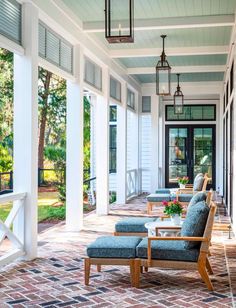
(132, 183)
(5, 227)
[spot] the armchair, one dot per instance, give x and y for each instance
(189, 251)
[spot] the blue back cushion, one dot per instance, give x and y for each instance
(200, 196)
(198, 183)
(195, 222)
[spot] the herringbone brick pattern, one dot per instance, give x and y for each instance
(55, 279)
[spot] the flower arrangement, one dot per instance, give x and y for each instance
(184, 180)
(172, 208)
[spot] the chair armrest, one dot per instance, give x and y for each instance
(184, 191)
(189, 186)
(178, 238)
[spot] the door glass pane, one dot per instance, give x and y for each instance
(177, 153)
(202, 150)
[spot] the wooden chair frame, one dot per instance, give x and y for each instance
(208, 201)
(202, 265)
(187, 190)
(134, 265)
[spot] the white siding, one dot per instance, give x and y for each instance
(146, 156)
(129, 140)
(112, 182)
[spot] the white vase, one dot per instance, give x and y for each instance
(175, 219)
(181, 185)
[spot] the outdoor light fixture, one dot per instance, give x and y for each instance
(178, 99)
(117, 30)
(163, 70)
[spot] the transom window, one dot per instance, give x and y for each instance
(192, 112)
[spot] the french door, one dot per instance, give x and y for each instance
(190, 149)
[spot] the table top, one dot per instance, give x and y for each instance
(162, 224)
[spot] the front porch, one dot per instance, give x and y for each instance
(55, 278)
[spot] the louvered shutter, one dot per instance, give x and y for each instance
(10, 20)
(146, 104)
(115, 89)
(55, 49)
(93, 74)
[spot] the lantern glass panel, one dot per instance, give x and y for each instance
(120, 17)
(163, 81)
(178, 104)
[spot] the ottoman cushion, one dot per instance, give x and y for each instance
(162, 191)
(182, 197)
(158, 197)
(120, 247)
(167, 250)
(133, 224)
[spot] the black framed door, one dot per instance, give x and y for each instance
(189, 149)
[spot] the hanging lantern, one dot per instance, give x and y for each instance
(117, 30)
(163, 70)
(178, 99)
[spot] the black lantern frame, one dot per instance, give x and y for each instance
(163, 69)
(178, 99)
(119, 38)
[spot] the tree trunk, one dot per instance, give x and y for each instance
(43, 120)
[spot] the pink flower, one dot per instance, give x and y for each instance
(165, 203)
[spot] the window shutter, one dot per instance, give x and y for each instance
(55, 49)
(130, 99)
(146, 104)
(115, 89)
(10, 20)
(93, 74)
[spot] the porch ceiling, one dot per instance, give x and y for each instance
(199, 34)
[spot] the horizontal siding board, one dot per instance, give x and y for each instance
(146, 152)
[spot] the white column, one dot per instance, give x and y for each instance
(102, 147)
(74, 147)
(121, 148)
(154, 127)
(135, 144)
(26, 131)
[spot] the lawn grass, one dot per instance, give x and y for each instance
(45, 209)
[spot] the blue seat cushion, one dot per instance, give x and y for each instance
(158, 197)
(182, 197)
(162, 191)
(199, 196)
(114, 247)
(133, 224)
(167, 250)
(198, 183)
(195, 222)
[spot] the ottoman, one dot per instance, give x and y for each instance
(156, 199)
(113, 250)
(132, 226)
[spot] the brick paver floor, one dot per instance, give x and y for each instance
(55, 278)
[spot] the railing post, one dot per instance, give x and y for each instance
(11, 180)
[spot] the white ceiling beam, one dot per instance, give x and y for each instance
(179, 69)
(166, 23)
(177, 51)
(188, 88)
